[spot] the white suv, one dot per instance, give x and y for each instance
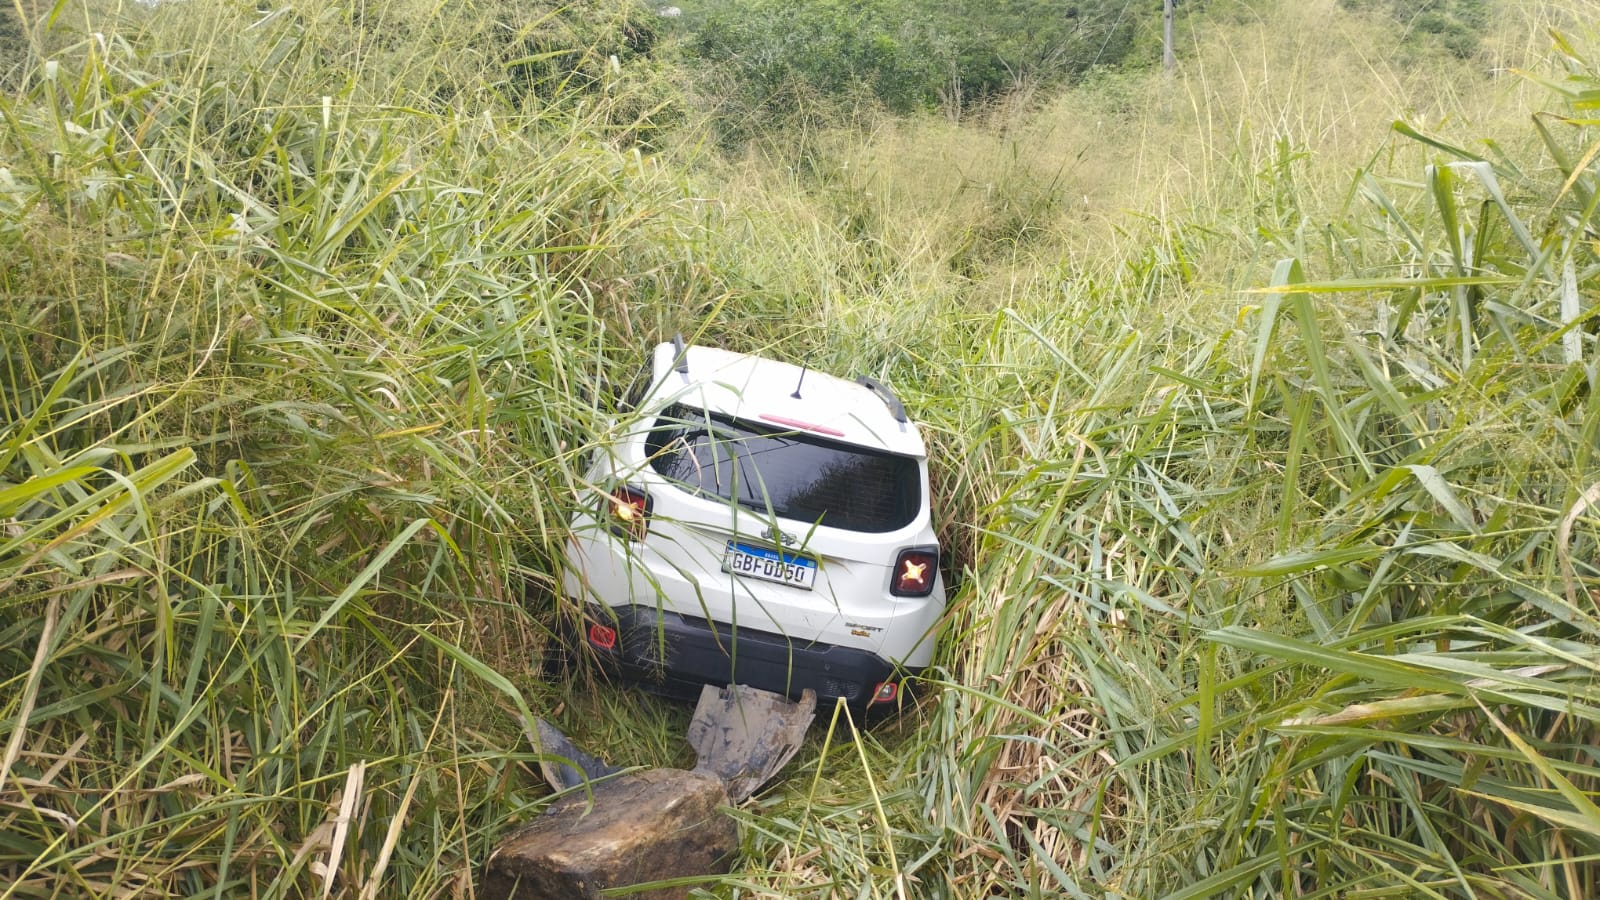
(759, 524)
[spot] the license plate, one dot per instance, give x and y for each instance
(770, 565)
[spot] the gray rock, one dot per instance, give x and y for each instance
(640, 827)
(656, 825)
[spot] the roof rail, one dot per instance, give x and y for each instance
(896, 408)
(680, 361)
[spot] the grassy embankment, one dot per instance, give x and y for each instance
(1261, 590)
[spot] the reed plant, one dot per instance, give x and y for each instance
(300, 340)
(1273, 479)
(1262, 415)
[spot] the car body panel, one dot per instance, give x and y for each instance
(679, 567)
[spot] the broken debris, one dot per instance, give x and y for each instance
(616, 829)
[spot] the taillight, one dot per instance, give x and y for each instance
(602, 636)
(628, 510)
(886, 692)
(914, 572)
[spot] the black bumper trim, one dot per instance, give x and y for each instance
(676, 654)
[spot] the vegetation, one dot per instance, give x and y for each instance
(908, 55)
(13, 45)
(1452, 24)
(1263, 429)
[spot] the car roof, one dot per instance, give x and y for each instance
(760, 390)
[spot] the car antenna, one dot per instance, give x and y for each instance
(803, 367)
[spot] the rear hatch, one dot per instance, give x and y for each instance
(785, 531)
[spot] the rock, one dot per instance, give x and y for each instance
(641, 827)
(655, 825)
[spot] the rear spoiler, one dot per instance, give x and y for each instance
(680, 358)
(896, 408)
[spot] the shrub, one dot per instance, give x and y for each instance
(1454, 25)
(908, 54)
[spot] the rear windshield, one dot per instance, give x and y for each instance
(805, 478)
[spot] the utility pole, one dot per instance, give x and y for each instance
(1169, 59)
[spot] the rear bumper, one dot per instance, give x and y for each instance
(678, 567)
(676, 654)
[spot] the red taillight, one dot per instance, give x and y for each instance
(629, 511)
(886, 692)
(914, 572)
(602, 636)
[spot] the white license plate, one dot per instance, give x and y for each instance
(770, 565)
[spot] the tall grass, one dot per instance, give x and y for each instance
(1261, 427)
(296, 343)
(1268, 436)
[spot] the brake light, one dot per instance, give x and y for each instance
(629, 512)
(886, 692)
(914, 573)
(803, 426)
(602, 636)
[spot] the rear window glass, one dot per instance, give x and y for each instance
(805, 478)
